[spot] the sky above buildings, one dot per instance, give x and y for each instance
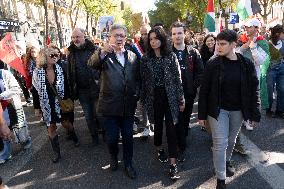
(142, 5)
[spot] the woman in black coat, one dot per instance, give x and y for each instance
(208, 48)
(162, 94)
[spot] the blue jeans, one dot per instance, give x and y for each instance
(88, 103)
(224, 133)
(275, 76)
(6, 152)
(114, 124)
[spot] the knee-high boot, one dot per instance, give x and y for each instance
(56, 149)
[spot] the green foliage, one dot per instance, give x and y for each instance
(169, 11)
(127, 13)
(166, 13)
(96, 8)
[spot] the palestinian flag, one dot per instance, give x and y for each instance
(263, 44)
(209, 21)
(247, 8)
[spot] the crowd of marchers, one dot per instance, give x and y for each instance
(233, 75)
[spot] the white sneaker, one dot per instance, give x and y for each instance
(145, 133)
(248, 126)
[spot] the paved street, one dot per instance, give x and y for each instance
(87, 167)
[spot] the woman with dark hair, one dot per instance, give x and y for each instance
(31, 55)
(275, 72)
(162, 94)
(208, 48)
(51, 84)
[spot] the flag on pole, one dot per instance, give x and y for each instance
(9, 54)
(209, 21)
(247, 8)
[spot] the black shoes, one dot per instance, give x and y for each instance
(174, 172)
(181, 156)
(56, 149)
(130, 172)
(230, 170)
(162, 157)
(113, 163)
(221, 184)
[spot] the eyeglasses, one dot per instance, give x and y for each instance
(119, 35)
(54, 55)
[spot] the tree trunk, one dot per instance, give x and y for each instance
(87, 25)
(46, 21)
(15, 8)
(71, 11)
(58, 24)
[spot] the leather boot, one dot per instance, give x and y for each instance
(221, 184)
(56, 149)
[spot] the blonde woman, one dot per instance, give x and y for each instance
(49, 81)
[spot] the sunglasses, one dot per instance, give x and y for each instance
(54, 55)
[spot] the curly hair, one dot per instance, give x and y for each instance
(41, 60)
(29, 57)
(162, 36)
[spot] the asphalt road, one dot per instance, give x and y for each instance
(87, 167)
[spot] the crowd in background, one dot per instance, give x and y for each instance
(233, 75)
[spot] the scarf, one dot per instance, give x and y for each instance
(40, 82)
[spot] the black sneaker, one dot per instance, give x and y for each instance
(181, 156)
(221, 184)
(130, 172)
(230, 170)
(113, 163)
(162, 157)
(174, 172)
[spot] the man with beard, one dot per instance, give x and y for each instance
(83, 81)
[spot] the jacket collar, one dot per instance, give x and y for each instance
(88, 45)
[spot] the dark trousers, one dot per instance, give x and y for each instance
(88, 102)
(161, 110)
(22, 85)
(182, 128)
(35, 95)
(114, 124)
(187, 114)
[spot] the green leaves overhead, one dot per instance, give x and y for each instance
(98, 7)
(169, 11)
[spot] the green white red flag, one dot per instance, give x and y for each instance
(209, 21)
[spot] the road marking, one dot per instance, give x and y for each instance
(265, 164)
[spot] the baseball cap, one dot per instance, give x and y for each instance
(252, 22)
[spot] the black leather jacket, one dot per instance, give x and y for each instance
(210, 90)
(89, 48)
(119, 90)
